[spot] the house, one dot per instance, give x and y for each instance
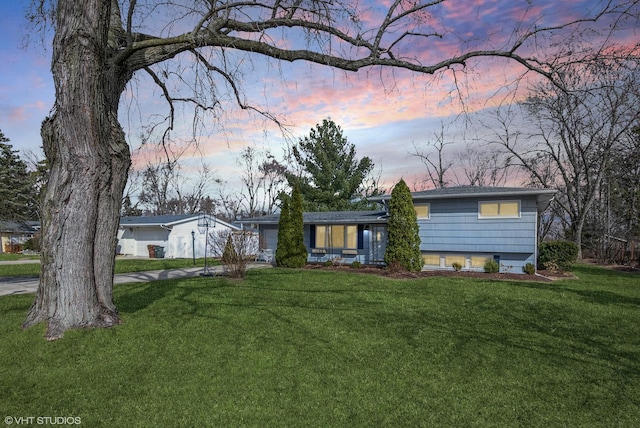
(465, 224)
(13, 234)
(180, 236)
(338, 235)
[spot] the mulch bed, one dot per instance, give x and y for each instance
(627, 269)
(543, 276)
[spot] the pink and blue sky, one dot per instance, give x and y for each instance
(383, 117)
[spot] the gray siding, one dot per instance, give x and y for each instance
(454, 226)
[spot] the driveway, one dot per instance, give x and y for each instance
(25, 285)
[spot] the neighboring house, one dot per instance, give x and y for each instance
(179, 235)
(13, 234)
(465, 224)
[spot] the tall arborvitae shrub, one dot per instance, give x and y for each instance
(291, 251)
(403, 239)
(298, 252)
(284, 241)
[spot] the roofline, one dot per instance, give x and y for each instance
(505, 193)
(215, 220)
(380, 219)
(175, 222)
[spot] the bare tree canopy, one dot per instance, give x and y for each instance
(188, 48)
(574, 134)
(437, 167)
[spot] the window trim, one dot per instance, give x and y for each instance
(425, 204)
(500, 217)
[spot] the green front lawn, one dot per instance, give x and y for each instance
(13, 257)
(319, 348)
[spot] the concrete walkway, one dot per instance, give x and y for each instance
(24, 285)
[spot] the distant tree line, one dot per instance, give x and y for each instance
(324, 166)
(20, 184)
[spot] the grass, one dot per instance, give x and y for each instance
(319, 348)
(122, 266)
(13, 257)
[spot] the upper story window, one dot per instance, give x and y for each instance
(499, 209)
(423, 211)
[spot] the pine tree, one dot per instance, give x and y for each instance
(403, 239)
(18, 196)
(128, 209)
(333, 178)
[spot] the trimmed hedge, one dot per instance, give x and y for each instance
(559, 255)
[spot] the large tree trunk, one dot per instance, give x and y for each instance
(89, 160)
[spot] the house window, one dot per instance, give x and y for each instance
(499, 209)
(423, 211)
(431, 259)
(477, 261)
(451, 259)
(321, 236)
(337, 236)
(351, 233)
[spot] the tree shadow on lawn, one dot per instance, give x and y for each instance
(133, 297)
(542, 329)
(504, 332)
(601, 297)
(593, 341)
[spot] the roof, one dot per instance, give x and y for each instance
(21, 227)
(329, 217)
(543, 196)
(156, 220)
(168, 220)
(475, 191)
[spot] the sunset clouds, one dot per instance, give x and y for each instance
(383, 112)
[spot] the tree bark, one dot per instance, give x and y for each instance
(89, 160)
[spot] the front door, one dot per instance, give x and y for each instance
(378, 243)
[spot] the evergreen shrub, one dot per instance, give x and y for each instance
(491, 266)
(403, 242)
(291, 251)
(529, 269)
(560, 255)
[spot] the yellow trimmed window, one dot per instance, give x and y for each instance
(503, 209)
(478, 261)
(451, 259)
(321, 236)
(431, 259)
(337, 236)
(423, 211)
(352, 236)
